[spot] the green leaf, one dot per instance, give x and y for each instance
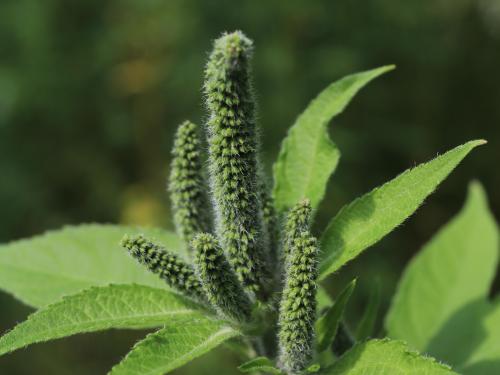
(308, 157)
(260, 364)
(367, 322)
(327, 325)
(40, 270)
(369, 218)
(100, 308)
(173, 346)
(441, 306)
(385, 357)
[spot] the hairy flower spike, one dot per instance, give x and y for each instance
(298, 221)
(187, 186)
(220, 283)
(176, 273)
(298, 305)
(233, 157)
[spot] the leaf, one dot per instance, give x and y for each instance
(368, 219)
(385, 357)
(173, 346)
(327, 325)
(100, 308)
(260, 364)
(442, 299)
(308, 157)
(40, 270)
(367, 323)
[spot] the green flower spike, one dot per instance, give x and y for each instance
(298, 221)
(233, 158)
(298, 305)
(221, 285)
(176, 273)
(187, 186)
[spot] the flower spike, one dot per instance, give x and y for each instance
(220, 283)
(233, 157)
(186, 184)
(176, 273)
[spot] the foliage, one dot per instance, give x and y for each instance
(228, 291)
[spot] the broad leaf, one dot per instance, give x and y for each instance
(261, 365)
(308, 157)
(100, 308)
(173, 346)
(40, 270)
(327, 325)
(367, 323)
(441, 305)
(385, 357)
(369, 218)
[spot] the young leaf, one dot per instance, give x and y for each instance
(173, 346)
(100, 308)
(367, 322)
(308, 156)
(441, 302)
(369, 218)
(327, 325)
(260, 364)
(384, 357)
(40, 270)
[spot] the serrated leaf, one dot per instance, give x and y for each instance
(327, 325)
(441, 306)
(173, 346)
(385, 357)
(40, 270)
(100, 308)
(368, 219)
(367, 322)
(260, 364)
(307, 156)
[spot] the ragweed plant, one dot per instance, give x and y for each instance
(245, 266)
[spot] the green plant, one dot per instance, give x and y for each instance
(81, 281)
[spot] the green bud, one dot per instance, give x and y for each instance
(221, 285)
(298, 305)
(233, 157)
(187, 186)
(298, 221)
(270, 223)
(176, 273)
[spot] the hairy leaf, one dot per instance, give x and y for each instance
(100, 308)
(308, 156)
(441, 305)
(327, 325)
(40, 270)
(260, 364)
(367, 323)
(173, 346)
(369, 218)
(385, 357)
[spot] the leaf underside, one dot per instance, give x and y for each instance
(385, 357)
(441, 306)
(308, 156)
(41, 270)
(367, 219)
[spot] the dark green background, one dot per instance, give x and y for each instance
(91, 92)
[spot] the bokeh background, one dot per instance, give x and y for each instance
(91, 92)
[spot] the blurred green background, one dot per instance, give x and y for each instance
(91, 92)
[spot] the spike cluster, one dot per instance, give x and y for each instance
(221, 286)
(232, 266)
(176, 273)
(233, 157)
(187, 186)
